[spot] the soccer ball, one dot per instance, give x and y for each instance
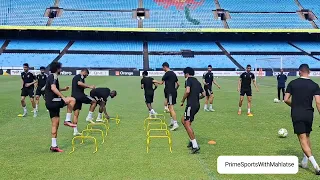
(283, 133)
(276, 100)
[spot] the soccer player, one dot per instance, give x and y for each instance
(244, 87)
(147, 84)
(299, 96)
(41, 82)
(208, 79)
(193, 93)
(282, 79)
(78, 86)
(55, 100)
(101, 95)
(171, 85)
(27, 82)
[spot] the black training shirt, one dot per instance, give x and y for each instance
(195, 90)
(27, 77)
(101, 93)
(246, 78)
(76, 89)
(147, 85)
(170, 79)
(302, 91)
(282, 79)
(42, 79)
(50, 95)
(208, 78)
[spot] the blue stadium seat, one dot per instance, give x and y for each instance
(177, 46)
(288, 61)
(258, 46)
(199, 61)
(37, 44)
(308, 46)
(34, 60)
(267, 21)
(107, 45)
(106, 61)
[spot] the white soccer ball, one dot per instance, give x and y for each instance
(283, 133)
(276, 100)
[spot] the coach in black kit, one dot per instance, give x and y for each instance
(41, 82)
(299, 96)
(193, 93)
(28, 80)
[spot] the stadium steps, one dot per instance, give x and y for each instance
(4, 46)
(229, 56)
(305, 52)
(63, 52)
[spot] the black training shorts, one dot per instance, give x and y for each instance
(191, 111)
(247, 92)
(208, 90)
(148, 97)
(54, 107)
(27, 91)
(39, 92)
(82, 99)
(302, 122)
(171, 98)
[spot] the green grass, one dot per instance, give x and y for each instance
(25, 141)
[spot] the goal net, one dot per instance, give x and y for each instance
(273, 64)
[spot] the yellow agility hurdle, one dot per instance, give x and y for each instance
(155, 118)
(117, 119)
(85, 135)
(104, 125)
(167, 135)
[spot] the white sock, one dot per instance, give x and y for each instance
(314, 163)
(175, 122)
(36, 106)
(194, 143)
(239, 108)
(53, 142)
(249, 110)
(25, 109)
(305, 159)
(166, 108)
(210, 106)
(68, 117)
(205, 106)
(35, 111)
(99, 115)
(90, 114)
(75, 129)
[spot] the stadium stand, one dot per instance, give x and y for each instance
(17, 59)
(199, 61)
(308, 46)
(105, 61)
(99, 5)
(107, 45)
(37, 45)
(177, 46)
(314, 6)
(258, 46)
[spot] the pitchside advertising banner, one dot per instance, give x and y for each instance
(96, 72)
(275, 73)
(200, 73)
(124, 73)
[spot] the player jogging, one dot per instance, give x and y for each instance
(147, 84)
(78, 86)
(244, 87)
(282, 79)
(55, 101)
(41, 82)
(171, 85)
(101, 95)
(27, 82)
(192, 92)
(208, 79)
(299, 95)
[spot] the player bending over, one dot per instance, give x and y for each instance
(244, 87)
(147, 84)
(282, 79)
(27, 82)
(101, 95)
(208, 79)
(192, 92)
(41, 82)
(55, 100)
(299, 95)
(171, 85)
(78, 86)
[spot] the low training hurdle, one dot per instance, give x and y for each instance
(85, 135)
(117, 119)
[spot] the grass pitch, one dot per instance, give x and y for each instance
(25, 141)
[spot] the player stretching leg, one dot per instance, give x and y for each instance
(208, 79)
(282, 79)
(78, 86)
(299, 95)
(171, 85)
(27, 80)
(55, 101)
(41, 82)
(244, 87)
(193, 90)
(101, 95)
(147, 84)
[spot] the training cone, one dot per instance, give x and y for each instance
(212, 142)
